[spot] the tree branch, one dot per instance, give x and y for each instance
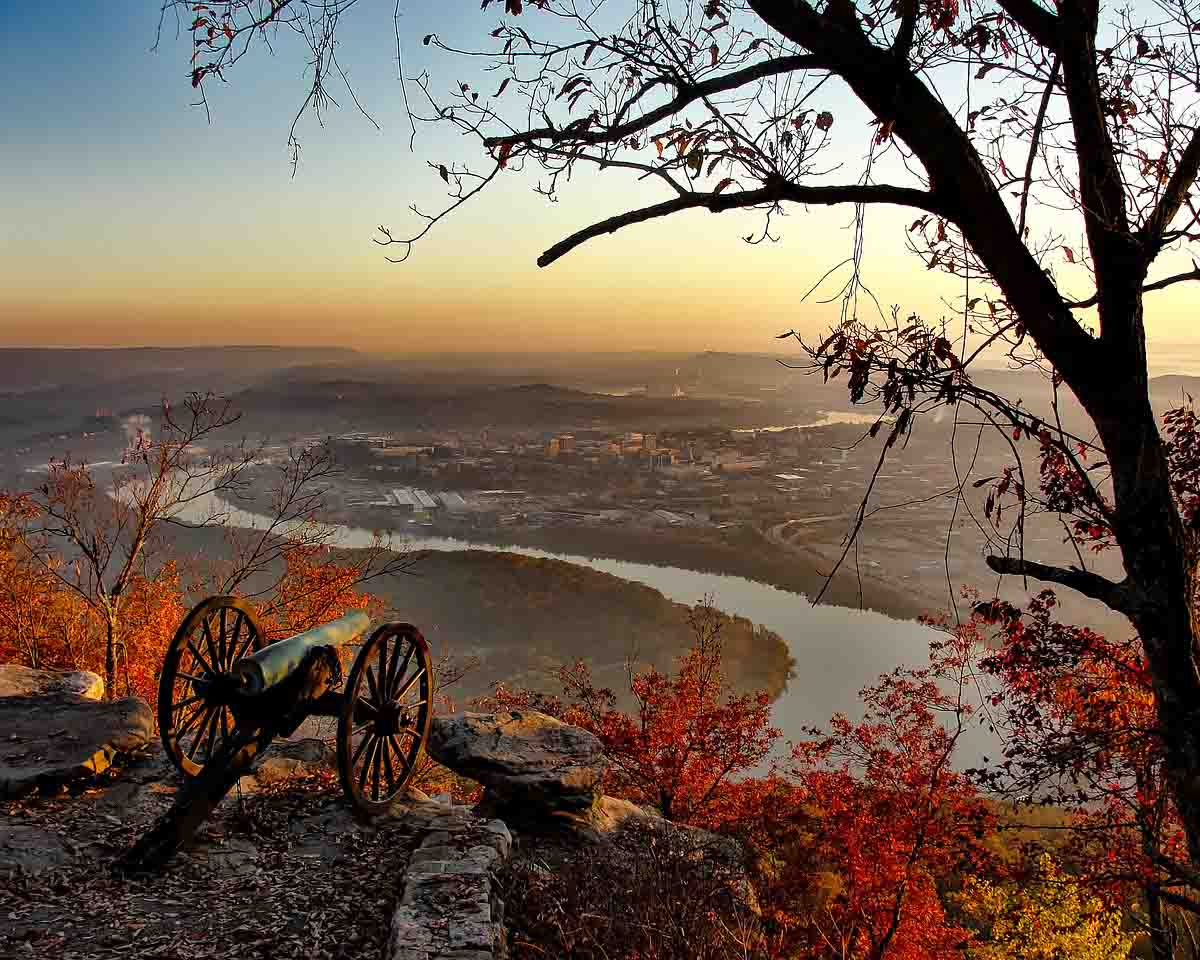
(958, 176)
(773, 192)
(687, 94)
(902, 45)
(1120, 263)
(1035, 20)
(1084, 581)
(1034, 140)
(1193, 274)
(1173, 197)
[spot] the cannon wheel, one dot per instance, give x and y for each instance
(385, 716)
(196, 675)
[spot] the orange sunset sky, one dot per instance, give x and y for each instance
(127, 218)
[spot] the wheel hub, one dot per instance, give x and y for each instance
(218, 689)
(392, 718)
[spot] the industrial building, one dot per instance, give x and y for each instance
(405, 502)
(424, 500)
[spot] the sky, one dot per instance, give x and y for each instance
(128, 217)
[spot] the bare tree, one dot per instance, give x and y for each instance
(1009, 127)
(97, 536)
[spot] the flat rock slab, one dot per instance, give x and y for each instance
(18, 681)
(30, 849)
(53, 739)
(523, 757)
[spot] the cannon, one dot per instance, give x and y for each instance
(225, 694)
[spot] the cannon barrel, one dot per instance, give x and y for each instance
(276, 662)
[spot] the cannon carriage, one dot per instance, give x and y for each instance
(225, 694)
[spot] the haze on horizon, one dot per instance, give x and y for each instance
(127, 219)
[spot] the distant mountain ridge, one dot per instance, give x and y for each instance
(42, 367)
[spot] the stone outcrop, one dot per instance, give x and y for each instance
(18, 681)
(288, 758)
(528, 761)
(51, 739)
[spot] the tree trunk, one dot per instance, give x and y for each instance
(1160, 581)
(110, 655)
(1162, 939)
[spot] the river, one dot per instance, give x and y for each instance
(838, 650)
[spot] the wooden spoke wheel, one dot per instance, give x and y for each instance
(197, 687)
(385, 716)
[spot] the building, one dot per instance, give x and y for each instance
(403, 500)
(454, 502)
(425, 501)
(566, 442)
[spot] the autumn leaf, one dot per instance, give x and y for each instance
(1069, 254)
(443, 172)
(505, 151)
(513, 7)
(728, 181)
(715, 53)
(824, 120)
(503, 85)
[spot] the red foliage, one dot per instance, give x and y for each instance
(850, 837)
(45, 623)
(889, 820)
(687, 739)
(1080, 725)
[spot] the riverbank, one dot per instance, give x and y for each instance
(523, 617)
(741, 551)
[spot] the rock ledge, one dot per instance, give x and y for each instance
(526, 759)
(53, 739)
(19, 681)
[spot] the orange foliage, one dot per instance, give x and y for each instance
(45, 623)
(313, 589)
(152, 612)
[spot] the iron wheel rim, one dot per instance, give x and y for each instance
(198, 661)
(385, 717)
